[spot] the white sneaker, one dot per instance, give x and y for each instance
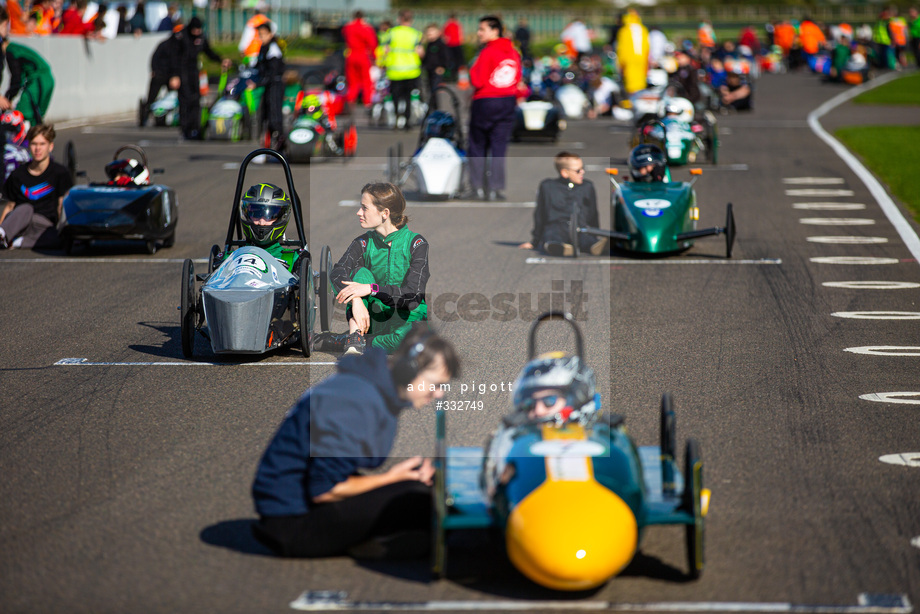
(400, 122)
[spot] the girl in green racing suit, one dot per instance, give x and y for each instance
(381, 278)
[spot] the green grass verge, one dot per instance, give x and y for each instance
(891, 152)
(903, 91)
(297, 50)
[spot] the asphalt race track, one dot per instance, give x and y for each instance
(126, 475)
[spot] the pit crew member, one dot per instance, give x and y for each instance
(309, 492)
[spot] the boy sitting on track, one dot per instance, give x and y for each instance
(557, 200)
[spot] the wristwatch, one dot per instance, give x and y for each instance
(374, 289)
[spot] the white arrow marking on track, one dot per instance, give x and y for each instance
(852, 260)
(905, 459)
(891, 397)
(813, 180)
(836, 221)
(885, 350)
(819, 192)
(845, 240)
(829, 206)
(878, 315)
(871, 285)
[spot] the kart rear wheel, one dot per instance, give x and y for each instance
(392, 164)
(326, 295)
(151, 246)
(668, 442)
(306, 318)
(693, 504)
(729, 230)
(214, 259)
(188, 309)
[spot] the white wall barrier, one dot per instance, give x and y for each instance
(92, 78)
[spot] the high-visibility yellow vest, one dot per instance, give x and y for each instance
(401, 61)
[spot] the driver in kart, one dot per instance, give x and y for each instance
(312, 106)
(264, 214)
(127, 172)
(647, 163)
(381, 277)
(555, 387)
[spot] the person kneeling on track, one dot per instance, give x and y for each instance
(311, 498)
(264, 213)
(557, 200)
(381, 277)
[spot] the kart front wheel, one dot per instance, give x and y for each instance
(693, 504)
(326, 295)
(170, 240)
(668, 443)
(188, 309)
(305, 316)
(151, 246)
(214, 259)
(729, 230)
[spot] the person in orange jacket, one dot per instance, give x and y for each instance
(811, 37)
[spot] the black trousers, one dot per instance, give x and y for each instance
(157, 81)
(329, 529)
(271, 112)
(402, 90)
(190, 105)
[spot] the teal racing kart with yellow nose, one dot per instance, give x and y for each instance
(656, 218)
(533, 478)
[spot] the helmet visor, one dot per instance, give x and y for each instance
(267, 213)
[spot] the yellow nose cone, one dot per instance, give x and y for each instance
(571, 536)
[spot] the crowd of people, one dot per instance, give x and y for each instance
(88, 19)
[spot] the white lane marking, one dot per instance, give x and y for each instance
(84, 362)
(871, 285)
(139, 260)
(892, 397)
(819, 192)
(465, 204)
(829, 206)
(848, 240)
(86, 121)
(905, 459)
(894, 215)
(853, 260)
(573, 144)
(837, 221)
(813, 180)
(915, 542)
(338, 601)
(885, 350)
(541, 260)
(878, 315)
(231, 166)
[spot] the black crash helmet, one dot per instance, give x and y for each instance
(643, 156)
(264, 212)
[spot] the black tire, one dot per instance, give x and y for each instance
(729, 230)
(326, 295)
(392, 164)
(170, 240)
(573, 233)
(68, 243)
(188, 309)
(306, 318)
(668, 429)
(214, 259)
(247, 127)
(70, 159)
(696, 532)
(151, 246)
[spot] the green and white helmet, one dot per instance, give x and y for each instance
(264, 212)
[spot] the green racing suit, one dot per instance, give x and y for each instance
(398, 264)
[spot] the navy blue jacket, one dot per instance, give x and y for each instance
(345, 423)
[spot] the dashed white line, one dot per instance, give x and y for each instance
(872, 285)
(819, 192)
(836, 221)
(878, 315)
(892, 397)
(885, 350)
(904, 459)
(848, 240)
(852, 260)
(813, 180)
(829, 206)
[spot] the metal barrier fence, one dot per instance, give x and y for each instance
(302, 21)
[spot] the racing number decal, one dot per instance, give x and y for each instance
(250, 263)
(652, 207)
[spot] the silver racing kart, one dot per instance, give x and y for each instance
(248, 301)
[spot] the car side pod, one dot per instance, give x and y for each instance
(728, 230)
